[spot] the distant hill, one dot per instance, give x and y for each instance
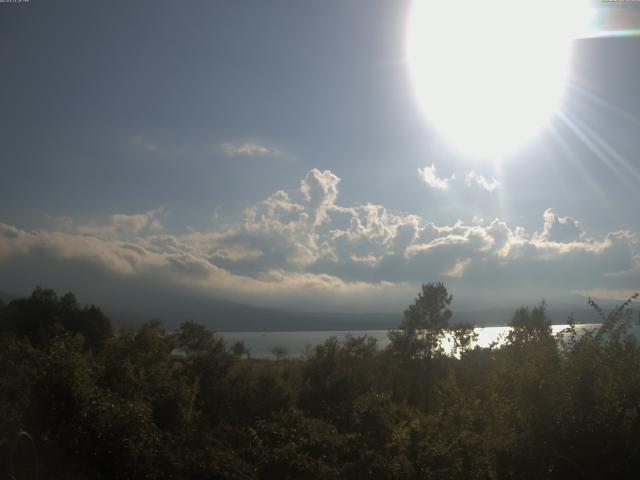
(226, 316)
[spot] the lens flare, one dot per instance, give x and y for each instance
(614, 20)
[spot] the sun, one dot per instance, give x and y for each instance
(489, 74)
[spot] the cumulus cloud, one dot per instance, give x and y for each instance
(560, 229)
(475, 179)
(249, 149)
(430, 176)
(320, 191)
(304, 245)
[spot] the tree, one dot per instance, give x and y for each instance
(240, 349)
(430, 310)
(424, 322)
(530, 325)
(43, 316)
(194, 337)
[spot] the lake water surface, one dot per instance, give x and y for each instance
(261, 344)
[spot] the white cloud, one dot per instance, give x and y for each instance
(475, 179)
(457, 271)
(431, 178)
(560, 229)
(249, 149)
(306, 243)
(228, 149)
(123, 225)
(171, 262)
(320, 190)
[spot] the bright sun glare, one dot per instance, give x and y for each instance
(490, 73)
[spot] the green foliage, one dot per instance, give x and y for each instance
(530, 325)
(43, 316)
(423, 327)
(292, 446)
(430, 310)
(145, 403)
(193, 337)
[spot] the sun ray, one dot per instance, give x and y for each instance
(600, 148)
(612, 153)
(584, 92)
(579, 166)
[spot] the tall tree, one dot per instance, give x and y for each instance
(424, 322)
(530, 324)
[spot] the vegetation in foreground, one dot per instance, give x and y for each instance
(145, 403)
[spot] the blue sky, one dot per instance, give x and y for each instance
(275, 153)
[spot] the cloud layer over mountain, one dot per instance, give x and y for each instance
(303, 249)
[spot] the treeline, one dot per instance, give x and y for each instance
(145, 403)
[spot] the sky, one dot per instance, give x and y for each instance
(276, 154)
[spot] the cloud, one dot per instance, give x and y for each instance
(430, 177)
(471, 179)
(167, 263)
(457, 271)
(157, 150)
(620, 295)
(560, 229)
(249, 149)
(142, 143)
(475, 179)
(217, 212)
(320, 190)
(305, 248)
(123, 225)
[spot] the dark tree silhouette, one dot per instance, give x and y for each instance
(530, 324)
(154, 404)
(430, 310)
(424, 322)
(43, 316)
(239, 349)
(193, 337)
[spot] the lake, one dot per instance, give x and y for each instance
(295, 343)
